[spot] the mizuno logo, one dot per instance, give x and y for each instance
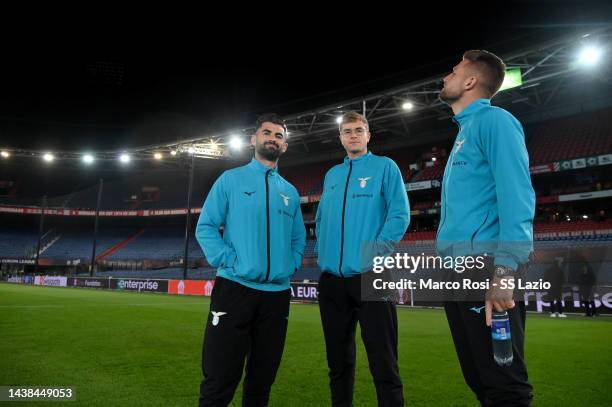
(249, 193)
(363, 181)
(477, 309)
(459, 143)
(285, 199)
(216, 316)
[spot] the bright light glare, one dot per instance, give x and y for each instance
(236, 143)
(589, 56)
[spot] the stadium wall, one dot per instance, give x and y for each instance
(301, 292)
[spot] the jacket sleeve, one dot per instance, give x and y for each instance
(503, 143)
(319, 214)
(398, 209)
(298, 235)
(218, 253)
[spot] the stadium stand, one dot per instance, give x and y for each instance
(310, 181)
(16, 243)
(436, 171)
(75, 244)
(157, 244)
(166, 243)
(588, 134)
(585, 135)
(310, 249)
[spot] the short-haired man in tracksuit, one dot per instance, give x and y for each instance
(488, 205)
(364, 203)
(261, 247)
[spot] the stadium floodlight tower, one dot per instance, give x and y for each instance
(188, 214)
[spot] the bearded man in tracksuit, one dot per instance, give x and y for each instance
(488, 205)
(261, 247)
(364, 205)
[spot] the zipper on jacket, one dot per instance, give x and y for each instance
(348, 177)
(444, 188)
(267, 226)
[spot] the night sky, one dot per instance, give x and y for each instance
(104, 89)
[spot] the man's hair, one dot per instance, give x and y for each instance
(351, 117)
(270, 118)
(490, 66)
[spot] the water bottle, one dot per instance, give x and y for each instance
(502, 339)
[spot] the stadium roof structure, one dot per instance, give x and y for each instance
(552, 81)
(546, 73)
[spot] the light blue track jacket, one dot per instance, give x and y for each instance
(264, 235)
(488, 202)
(363, 211)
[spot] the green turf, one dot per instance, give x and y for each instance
(130, 349)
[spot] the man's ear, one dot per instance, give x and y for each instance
(284, 147)
(253, 140)
(470, 83)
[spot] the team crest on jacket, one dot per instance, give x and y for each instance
(459, 143)
(363, 181)
(285, 199)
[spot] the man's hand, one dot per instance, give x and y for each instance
(498, 297)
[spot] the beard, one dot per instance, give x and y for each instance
(447, 97)
(268, 152)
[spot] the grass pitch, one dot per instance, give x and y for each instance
(131, 349)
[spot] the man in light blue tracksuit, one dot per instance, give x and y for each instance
(261, 247)
(488, 205)
(363, 210)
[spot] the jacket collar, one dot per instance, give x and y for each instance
(471, 109)
(359, 160)
(259, 167)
